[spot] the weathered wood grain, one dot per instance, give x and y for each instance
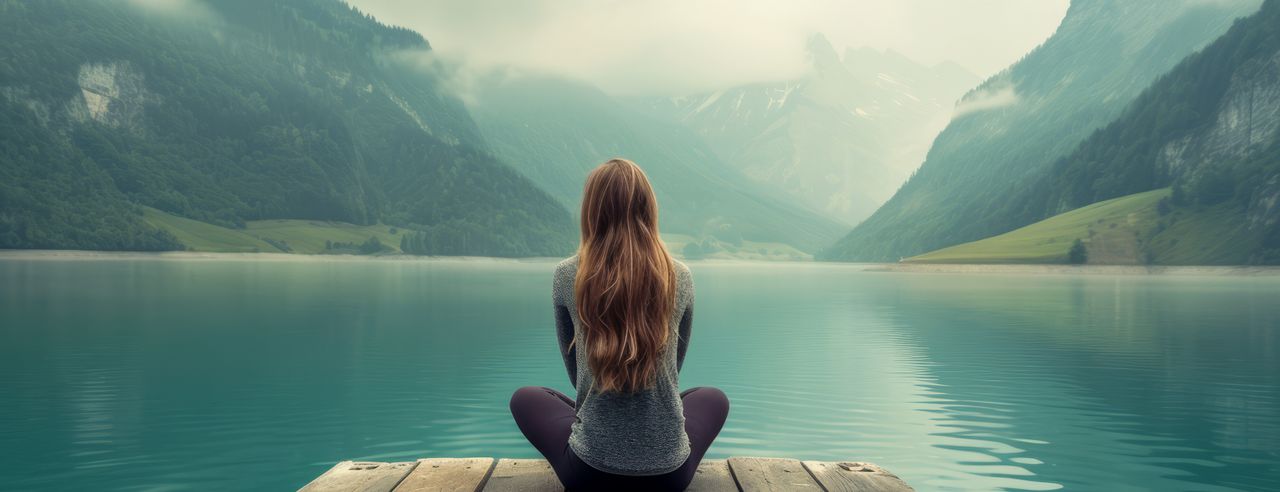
(521, 475)
(855, 476)
(359, 476)
(470, 474)
(447, 475)
(763, 474)
(713, 476)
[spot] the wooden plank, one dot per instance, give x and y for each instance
(360, 476)
(469, 474)
(447, 475)
(520, 475)
(713, 476)
(853, 476)
(762, 474)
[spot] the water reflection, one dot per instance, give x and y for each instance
(1114, 380)
(260, 374)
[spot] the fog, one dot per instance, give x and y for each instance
(180, 9)
(674, 47)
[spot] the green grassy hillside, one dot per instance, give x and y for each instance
(1143, 228)
(201, 236)
(271, 236)
(1216, 235)
(712, 248)
(1112, 230)
(309, 236)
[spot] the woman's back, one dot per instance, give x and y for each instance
(650, 420)
(623, 315)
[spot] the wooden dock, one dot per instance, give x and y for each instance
(489, 474)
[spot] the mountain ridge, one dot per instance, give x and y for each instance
(1209, 128)
(556, 130)
(1101, 57)
(840, 138)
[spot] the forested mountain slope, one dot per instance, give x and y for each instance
(1210, 128)
(555, 131)
(1012, 129)
(240, 110)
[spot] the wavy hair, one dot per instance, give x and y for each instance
(626, 280)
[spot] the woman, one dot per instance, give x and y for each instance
(624, 310)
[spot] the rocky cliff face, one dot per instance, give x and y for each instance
(1247, 123)
(111, 93)
(1264, 205)
(1247, 120)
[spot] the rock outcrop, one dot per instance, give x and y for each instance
(112, 93)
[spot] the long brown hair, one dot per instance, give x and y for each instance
(626, 281)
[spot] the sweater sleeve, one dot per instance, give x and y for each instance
(686, 328)
(686, 318)
(564, 333)
(561, 294)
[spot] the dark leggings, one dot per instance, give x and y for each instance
(544, 416)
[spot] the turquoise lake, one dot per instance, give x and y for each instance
(141, 373)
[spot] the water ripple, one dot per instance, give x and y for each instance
(173, 375)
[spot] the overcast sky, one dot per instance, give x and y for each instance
(676, 46)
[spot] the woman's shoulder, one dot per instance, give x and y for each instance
(682, 270)
(562, 283)
(566, 273)
(567, 266)
(684, 282)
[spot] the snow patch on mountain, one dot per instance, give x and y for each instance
(842, 138)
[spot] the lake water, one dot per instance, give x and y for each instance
(237, 374)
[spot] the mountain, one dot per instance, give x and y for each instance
(1210, 128)
(1009, 132)
(839, 139)
(236, 111)
(555, 131)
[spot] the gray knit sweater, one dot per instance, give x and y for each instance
(639, 433)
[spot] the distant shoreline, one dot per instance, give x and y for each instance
(80, 254)
(75, 254)
(1045, 269)
(931, 268)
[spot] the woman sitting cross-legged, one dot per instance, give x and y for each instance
(623, 312)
